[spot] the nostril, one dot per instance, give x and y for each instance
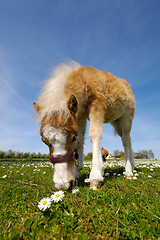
(58, 187)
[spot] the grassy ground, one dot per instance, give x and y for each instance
(120, 209)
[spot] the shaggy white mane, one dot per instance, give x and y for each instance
(52, 97)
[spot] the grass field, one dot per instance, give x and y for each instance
(120, 209)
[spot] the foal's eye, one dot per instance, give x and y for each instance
(46, 141)
(74, 138)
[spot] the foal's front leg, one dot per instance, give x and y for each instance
(81, 133)
(95, 134)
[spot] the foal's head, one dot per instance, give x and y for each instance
(60, 132)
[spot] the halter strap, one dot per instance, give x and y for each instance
(66, 158)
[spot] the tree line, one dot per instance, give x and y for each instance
(14, 154)
(142, 154)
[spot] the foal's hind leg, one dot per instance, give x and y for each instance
(122, 127)
(129, 165)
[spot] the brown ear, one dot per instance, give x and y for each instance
(72, 105)
(37, 107)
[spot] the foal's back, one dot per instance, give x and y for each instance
(103, 90)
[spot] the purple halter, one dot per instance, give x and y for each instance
(66, 158)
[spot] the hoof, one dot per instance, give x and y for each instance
(128, 176)
(94, 184)
(94, 188)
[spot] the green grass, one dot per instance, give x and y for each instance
(120, 209)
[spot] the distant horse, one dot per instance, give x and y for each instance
(73, 94)
(104, 153)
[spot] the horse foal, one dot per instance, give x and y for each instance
(73, 94)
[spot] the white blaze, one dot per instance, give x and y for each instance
(58, 141)
(56, 138)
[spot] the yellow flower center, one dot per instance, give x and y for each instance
(44, 202)
(57, 195)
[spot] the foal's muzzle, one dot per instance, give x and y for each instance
(68, 185)
(61, 181)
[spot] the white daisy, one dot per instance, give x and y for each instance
(76, 190)
(134, 178)
(57, 196)
(86, 180)
(136, 174)
(107, 174)
(44, 203)
(149, 176)
(4, 176)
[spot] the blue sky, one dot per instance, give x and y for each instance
(117, 36)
